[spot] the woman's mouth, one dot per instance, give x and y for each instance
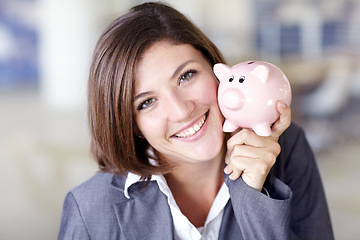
(193, 129)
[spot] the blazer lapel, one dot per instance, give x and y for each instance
(146, 215)
(229, 227)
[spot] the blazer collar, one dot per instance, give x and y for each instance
(146, 214)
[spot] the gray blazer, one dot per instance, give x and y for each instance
(296, 208)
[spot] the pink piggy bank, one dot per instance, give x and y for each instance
(248, 93)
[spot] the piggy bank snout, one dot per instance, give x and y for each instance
(233, 99)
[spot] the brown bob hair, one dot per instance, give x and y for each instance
(114, 141)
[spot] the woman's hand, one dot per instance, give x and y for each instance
(251, 156)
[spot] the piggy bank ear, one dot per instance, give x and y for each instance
(220, 70)
(261, 72)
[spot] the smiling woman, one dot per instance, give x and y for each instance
(112, 78)
(180, 103)
(154, 119)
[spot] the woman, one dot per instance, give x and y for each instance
(157, 136)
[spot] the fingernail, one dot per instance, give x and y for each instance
(226, 170)
(227, 157)
(283, 105)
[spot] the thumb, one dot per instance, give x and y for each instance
(284, 120)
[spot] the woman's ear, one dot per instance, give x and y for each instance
(137, 132)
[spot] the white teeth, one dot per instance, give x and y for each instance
(191, 131)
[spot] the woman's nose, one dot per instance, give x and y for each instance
(179, 107)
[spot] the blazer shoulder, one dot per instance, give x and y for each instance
(99, 188)
(89, 208)
(291, 133)
(293, 137)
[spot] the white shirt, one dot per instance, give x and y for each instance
(184, 229)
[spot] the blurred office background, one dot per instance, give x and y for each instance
(45, 51)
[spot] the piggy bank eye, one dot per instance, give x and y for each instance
(231, 78)
(241, 79)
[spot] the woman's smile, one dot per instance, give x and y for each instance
(175, 103)
(189, 132)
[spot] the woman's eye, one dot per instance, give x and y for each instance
(145, 104)
(187, 76)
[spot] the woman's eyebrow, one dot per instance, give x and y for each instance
(140, 95)
(181, 67)
(177, 71)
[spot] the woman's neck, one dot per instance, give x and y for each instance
(195, 186)
(189, 176)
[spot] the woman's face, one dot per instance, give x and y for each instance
(175, 103)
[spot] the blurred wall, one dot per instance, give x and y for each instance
(68, 31)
